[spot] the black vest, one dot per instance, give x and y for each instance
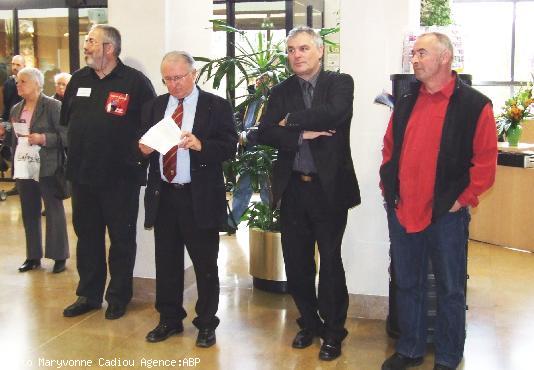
(456, 147)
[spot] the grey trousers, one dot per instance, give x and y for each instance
(56, 242)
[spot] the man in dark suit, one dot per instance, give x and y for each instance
(308, 120)
(185, 199)
(11, 97)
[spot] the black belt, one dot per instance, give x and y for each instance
(176, 186)
(305, 177)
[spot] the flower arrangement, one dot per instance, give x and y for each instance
(515, 109)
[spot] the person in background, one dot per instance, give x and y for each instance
(248, 139)
(42, 114)
(11, 97)
(185, 198)
(308, 120)
(439, 156)
(104, 167)
(61, 80)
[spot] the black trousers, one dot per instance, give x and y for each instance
(94, 209)
(305, 219)
(175, 228)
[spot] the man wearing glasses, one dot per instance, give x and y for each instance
(102, 109)
(185, 196)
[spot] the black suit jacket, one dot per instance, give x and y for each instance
(214, 127)
(11, 96)
(331, 110)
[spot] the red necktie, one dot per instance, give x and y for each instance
(169, 159)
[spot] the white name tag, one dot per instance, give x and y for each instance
(84, 91)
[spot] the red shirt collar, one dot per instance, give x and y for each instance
(446, 91)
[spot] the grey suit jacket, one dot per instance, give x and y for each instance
(45, 120)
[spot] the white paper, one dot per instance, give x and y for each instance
(162, 136)
(27, 161)
(21, 128)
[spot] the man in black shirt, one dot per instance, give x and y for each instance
(102, 107)
(11, 97)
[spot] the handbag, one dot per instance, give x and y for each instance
(63, 189)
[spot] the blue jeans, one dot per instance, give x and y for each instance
(241, 197)
(444, 242)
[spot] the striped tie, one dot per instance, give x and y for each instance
(169, 159)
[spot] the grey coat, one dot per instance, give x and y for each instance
(45, 120)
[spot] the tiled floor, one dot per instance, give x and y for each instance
(256, 327)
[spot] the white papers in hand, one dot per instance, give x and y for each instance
(162, 136)
(21, 128)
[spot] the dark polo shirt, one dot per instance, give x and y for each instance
(104, 119)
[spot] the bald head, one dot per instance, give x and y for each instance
(17, 63)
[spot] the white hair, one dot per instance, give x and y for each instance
(34, 74)
(61, 75)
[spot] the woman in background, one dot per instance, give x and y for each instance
(61, 80)
(43, 114)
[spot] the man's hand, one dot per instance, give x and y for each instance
(2, 131)
(310, 135)
(455, 207)
(190, 141)
(36, 139)
(145, 149)
(282, 123)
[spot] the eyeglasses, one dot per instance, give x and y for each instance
(91, 41)
(168, 79)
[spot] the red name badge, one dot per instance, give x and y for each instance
(117, 103)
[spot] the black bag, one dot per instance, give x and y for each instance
(63, 188)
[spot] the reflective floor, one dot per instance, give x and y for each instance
(256, 327)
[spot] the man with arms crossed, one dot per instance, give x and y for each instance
(308, 120)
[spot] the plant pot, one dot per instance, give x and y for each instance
(513, 134)
(267, 261)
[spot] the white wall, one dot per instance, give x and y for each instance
(148, 32)
(371, 47)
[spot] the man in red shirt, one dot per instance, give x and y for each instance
(439, 155)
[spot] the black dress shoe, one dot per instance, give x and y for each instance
(12, 191)
(115, 311)
(230, 230)
(163, 331)
(206, 338)
(401, 362)
(442, 367)
(303, 339)
(330, 350)
(29, 265)
(59, 266)
(81, 306)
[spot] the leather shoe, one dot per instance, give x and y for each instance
(115, 311)
(59, 266)
(401, 362)
(29, 265)
(163, 331)
(13, 191)
(80, 307)
(229, 230)
(330, 350)
(442, 367)
(206, 338)
(303, 339)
